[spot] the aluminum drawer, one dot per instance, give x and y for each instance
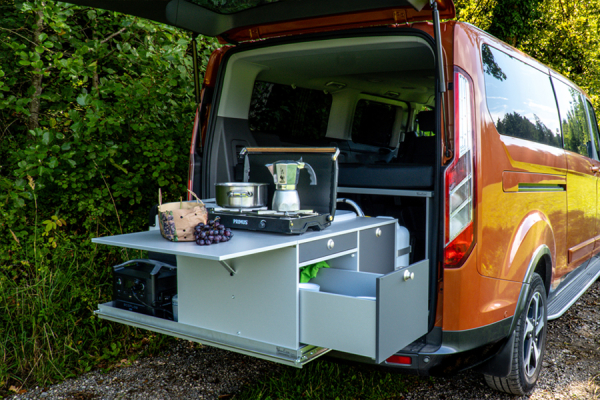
(338, 319)
(325, 247)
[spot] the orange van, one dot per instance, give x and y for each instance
(487, 158)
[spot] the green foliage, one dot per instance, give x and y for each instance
(96, 113)
(562, 34)
(325, 380)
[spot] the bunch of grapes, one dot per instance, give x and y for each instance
(211, 233)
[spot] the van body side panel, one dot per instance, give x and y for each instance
(524, 181)
(472, 300)
(581, 193)
(503, 223)
(526, 211)
(510, 225)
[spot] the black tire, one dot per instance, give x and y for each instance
(529, 344)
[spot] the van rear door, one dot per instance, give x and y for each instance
(236, 21)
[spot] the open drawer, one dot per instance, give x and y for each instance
(366, 314)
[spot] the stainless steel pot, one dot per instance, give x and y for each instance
(241, 194)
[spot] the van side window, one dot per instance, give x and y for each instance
(594, 123)
(520, 99)
(294, 114)
(573, 116)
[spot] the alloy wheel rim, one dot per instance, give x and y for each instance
(534, 328)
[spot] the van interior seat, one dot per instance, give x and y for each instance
(424, 150)
(426, 121)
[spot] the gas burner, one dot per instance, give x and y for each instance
(271, 221)
(239, 210)
(286, 213)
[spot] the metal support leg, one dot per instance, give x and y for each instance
(228, 267)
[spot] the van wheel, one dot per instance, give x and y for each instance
(529, 346)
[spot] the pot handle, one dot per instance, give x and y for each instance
(240, 194)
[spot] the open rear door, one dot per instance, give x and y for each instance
(237, 21)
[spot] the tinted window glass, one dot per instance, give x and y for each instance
(520, 99)
(573, 118)
(373, 123)
(296, 115)
(594, 122)
(426, 123)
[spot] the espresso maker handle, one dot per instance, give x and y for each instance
(311, 173)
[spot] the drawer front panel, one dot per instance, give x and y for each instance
(372, 328)
(324, 247)
(338, 322)
(377, 247)
(402, 308)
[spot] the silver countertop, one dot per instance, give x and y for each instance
(243, 243)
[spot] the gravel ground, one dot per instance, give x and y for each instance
(187, 370)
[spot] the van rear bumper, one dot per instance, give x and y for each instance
(458, 350)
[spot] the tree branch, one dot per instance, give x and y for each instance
(113, 35)
(26, 38)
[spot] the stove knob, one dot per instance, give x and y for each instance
(262, 224)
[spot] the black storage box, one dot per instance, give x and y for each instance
(145, 286)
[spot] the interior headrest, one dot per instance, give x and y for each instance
(426, 121)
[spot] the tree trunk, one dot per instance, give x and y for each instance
(36, 81)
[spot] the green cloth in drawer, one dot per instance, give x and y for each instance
(310, 271)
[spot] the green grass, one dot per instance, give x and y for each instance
(324, 379)
(48, 331)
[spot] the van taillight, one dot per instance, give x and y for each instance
(460, 185)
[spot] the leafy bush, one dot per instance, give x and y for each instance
(96, 112)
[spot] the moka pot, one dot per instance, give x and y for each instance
(286, 174)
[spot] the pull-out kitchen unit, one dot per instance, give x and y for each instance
(244, 295)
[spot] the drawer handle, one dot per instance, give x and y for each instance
(330, 244)
(408, 275)
(378, 232)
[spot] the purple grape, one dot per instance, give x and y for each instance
(211, 237)
(207, 242)
(227, 233)
(219, 237)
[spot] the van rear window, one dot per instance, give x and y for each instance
(373, 123)
(520, 99)
(294, 114)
